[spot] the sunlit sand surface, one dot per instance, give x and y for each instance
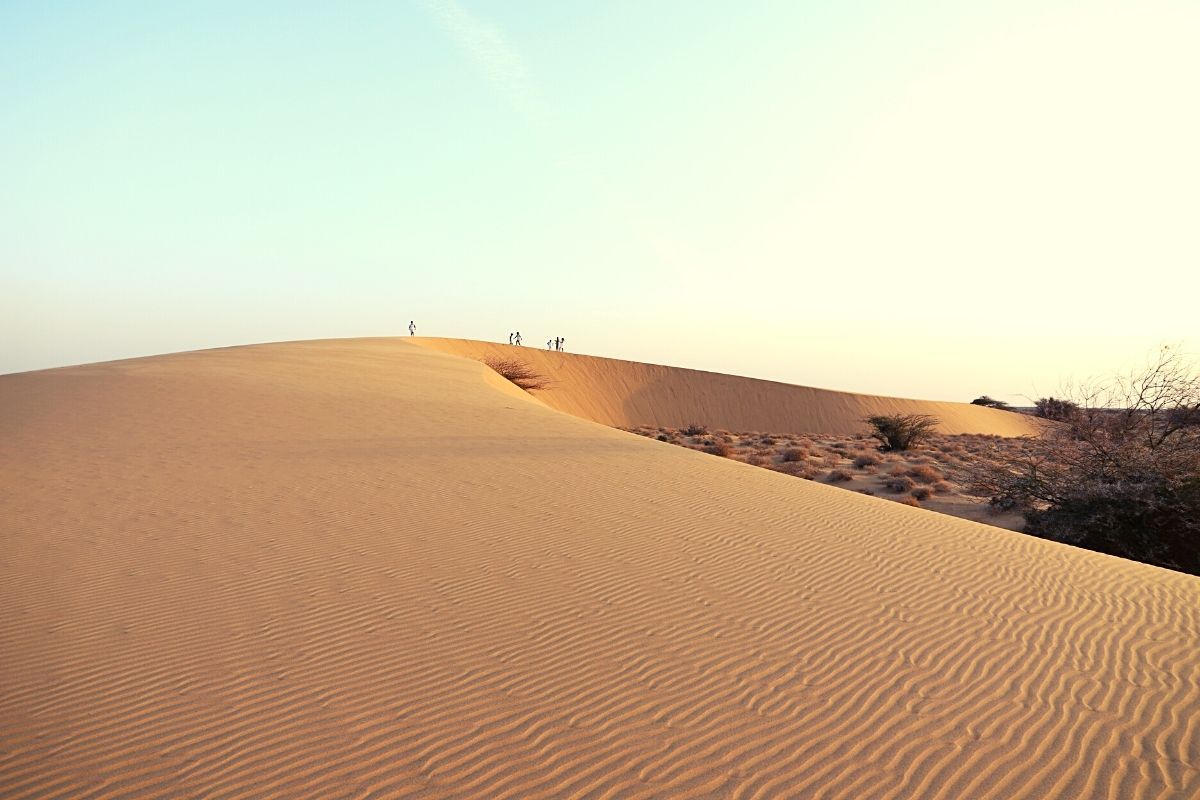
(370, 568)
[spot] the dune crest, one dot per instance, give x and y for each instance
(626, 394)
(364, 568)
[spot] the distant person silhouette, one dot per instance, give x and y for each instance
(562, 343)
(548, 343)
(517, 339)
(412, 328)
(510, 338)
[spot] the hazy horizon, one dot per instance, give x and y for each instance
(916, 201)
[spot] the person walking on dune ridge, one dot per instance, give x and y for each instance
(517, 339)
(412, 328)
(510, 338)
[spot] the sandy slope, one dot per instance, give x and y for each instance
(367, 569)
(627, 394)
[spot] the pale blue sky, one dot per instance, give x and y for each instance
(925, 199)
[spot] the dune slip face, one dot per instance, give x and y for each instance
(628, 394)
(368, 569)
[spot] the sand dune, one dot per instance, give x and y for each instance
(627, 394)
(370, 569)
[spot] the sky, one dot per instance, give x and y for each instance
(923, 199)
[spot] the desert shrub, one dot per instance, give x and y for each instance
(797, 470)
(901, 431)
(831, 460)
(839, 446)
(662, 437)
(984, 400)
(898, 485)
(695, 430)
(757, 461)
(908, 501)
(1054, 408)
(717, 449)
(839, 476)
(865, 460)
(794, 454)
(865, 491)
(942, 487)
(767, 440)
(922, 492)
(925, 474)
(520, 373)
(1120, 476)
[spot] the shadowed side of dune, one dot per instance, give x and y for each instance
(629, 393)
(356, 569)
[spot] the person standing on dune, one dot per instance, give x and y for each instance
(517, 339)
(412, 328)
(510, 338)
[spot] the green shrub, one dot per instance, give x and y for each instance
(901, 431)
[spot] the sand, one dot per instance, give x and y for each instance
(365, 568)
(626, 394)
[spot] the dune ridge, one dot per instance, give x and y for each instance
(369, 569)
(626, 394)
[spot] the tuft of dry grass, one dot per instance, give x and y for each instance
(908, 501)
(519, 373)
(717, 449)
(794, 454)
(865, 459)
(925, 474)
(922, 492)
(899, 485)
(839, 476)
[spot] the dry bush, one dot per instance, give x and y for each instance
(942, 487)
(662, 437)
(925, 474)
(831, 460)
(922, 492)
(768, 441)
(899, 485)
(908, 501)
(1121, 474)
(797, 470)
(865, 460)
(865, 491)
(695, 430)
(839, 476)
(793, 454)
(757, 461)
(717, 449)
(898, 471)
(521, 374)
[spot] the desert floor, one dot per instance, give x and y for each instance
(370, 568)
(935, 474)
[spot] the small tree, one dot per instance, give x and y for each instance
(984, 400)
(1121, 473)
(520, 373)
(901, 431)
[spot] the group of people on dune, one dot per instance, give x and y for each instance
(551, 344)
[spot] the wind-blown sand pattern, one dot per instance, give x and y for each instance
(369, 569)
(626, 394)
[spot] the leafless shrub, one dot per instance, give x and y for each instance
(839, 476)
(794, 454)
(865, 460)
(1120, 475)
(925, 474)
(520, 373)
(695, 430)
(899, 485)
(922, 492)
